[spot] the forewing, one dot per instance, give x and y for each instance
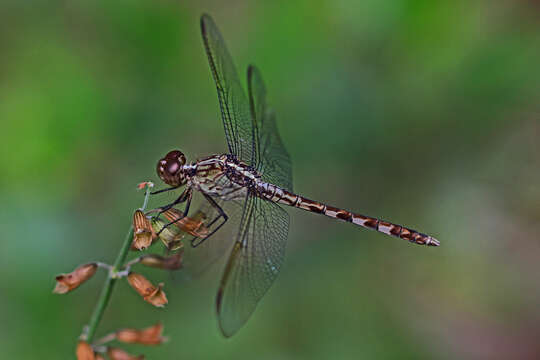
(274, 162)
(232, 99)
(253, 264)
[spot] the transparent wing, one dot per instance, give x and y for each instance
(232, 99)
(199, 259)
(274, 162)
(254, 262)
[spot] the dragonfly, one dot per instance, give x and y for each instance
(246, 188)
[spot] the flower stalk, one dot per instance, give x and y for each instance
(140, 236)
(108, 287)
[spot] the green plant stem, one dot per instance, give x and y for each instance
(108, 287)
(111, 279)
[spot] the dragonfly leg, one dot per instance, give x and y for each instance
(222, 214)
(185, 197)
(164, 190)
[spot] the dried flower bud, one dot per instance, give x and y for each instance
(142, 231)
(129, 336)
(170, 236)
(99, 357)
(149, 336)
(150, 293)
(144, 184)
(192, 225)
(158, 297)
(68, 282)
(140, 284)
(84, 351)
(173, 262)
(119, 354)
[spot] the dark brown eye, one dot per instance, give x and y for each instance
(172, 167)
(169, 166)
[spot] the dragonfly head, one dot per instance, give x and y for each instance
(170, 168)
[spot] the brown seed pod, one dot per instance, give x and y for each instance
(84, 351)
(119, 354)
(69, 282)
(173, 262)
(150, 293)
(148, 336)
(142, 231)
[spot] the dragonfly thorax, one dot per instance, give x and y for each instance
(170, 168)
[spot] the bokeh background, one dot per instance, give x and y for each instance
(425, 113)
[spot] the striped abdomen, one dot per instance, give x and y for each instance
(273, 193)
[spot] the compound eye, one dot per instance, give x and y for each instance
(175, 156)
(169, 166)
(172, 167)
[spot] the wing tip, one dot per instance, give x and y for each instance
(224, 332)
(254, 79)
(206, 19)
(250, 69)
(253, 70)
(219, 301)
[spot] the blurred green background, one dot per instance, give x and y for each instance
(425, 113)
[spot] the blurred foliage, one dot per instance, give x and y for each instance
(425, 113)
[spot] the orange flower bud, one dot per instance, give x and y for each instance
(192, 225)
(129, 336)
(68, 282)
(150, 293)
(140, 284)
(142, 231)
(119, 354)
(148, 336)
(84, 351)
(173, 262)
(158, 297)
(99, 357)
(152, 335)
(144, 184)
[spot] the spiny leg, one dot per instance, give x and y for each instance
(221, 214)
(160, 210)
(184, 197)
(164, 190)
